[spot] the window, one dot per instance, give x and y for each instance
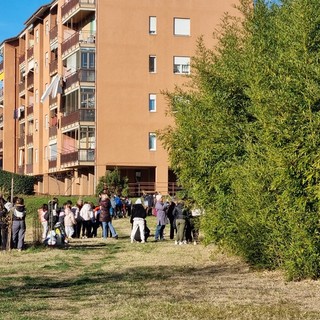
(53, 152)
(37, 36)
(47, 27)
(152, 102)
(87, 98)
(30, 156)
(152, 141)
(88, 59)
(181, 65)
(181, 27)
(152, 25)
(152, 64)
(46, 59)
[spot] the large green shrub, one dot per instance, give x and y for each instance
(114, 182)
(21, 184)
(247, 136)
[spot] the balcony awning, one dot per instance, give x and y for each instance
(53, 89)
(1, 76)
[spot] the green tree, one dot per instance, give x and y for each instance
(246, 138)
(114, 183)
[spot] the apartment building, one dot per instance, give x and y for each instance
(81, 89)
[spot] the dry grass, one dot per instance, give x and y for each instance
(113, 279)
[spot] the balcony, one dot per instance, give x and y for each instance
(29, 139)
(1, 121)
(22, 88)
(69, 43)
(29, 168)
(81, 115)
(82, 75)
(20, 169)
(1, 144)
(30, 53)
(53, 33)
(53, 67)
(30, 110)
(30, 80)
(21, 141)
(1, 65)
(78, 10)
(78, 157)
(52, 163)
(53, 131)
(22, 59)
(1, 94)
(53, 101)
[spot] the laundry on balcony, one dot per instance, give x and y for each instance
(18, 112)
(53, 89)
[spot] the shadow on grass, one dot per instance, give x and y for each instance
(131, 282)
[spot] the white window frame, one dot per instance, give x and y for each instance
(181, 26)
(152, 25)
(154, 63)
(152, 102)
(152, 141)
(181, 65)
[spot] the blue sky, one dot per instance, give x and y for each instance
(14, 13)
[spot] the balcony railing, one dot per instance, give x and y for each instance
(73, 4)
(20, 169)
(53, 66)
(22, 58)
(29, 139)
(82, 155)
(21, 86)
(52, 163)
(29, 168)
(70, 42)
(30, 109)
(1, 144)
(1, 93)
(82, 75)
(30, 52)
(52, 100)
(77, 116)
(53, 131)
(53, 33)
(30, 80)
(1, 65)
(21, 141)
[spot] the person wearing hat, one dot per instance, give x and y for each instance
(138, 217)
(18, 224)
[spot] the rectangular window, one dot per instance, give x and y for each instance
(47, 27)
(181, 27)
(152, 141)
(152, 25)
(37, 36)
(181, 65)
(30, 156)
(87, 98)
(152, 102)
(152, 64)
(53, 152)
(88, 59)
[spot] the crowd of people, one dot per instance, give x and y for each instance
(83, 219)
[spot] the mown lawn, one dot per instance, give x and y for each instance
(114, 279)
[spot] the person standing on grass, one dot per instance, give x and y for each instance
(43, 214)
(179, 214)
(161, 209)
(106, 219)
(86, 214)
(138, 217)
(69, 220)
(171, 218)
(3, 225)
(18, 213)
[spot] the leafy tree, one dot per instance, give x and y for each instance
(114, 182)
(246, 138)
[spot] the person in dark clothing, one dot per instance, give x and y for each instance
(18, 224)
(138, 217)
(171, 218)
(105, 218)
(179, 213)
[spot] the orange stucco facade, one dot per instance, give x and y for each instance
(85, 81)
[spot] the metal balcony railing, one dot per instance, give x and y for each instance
(22, 58)
(82, 75)
(53, 131)
(82, 155)
(70, 42)
(29, 168)
(52, 163)
(72, 4)
(30, 109)
(77, 116)
(53, 66)
(30, 52)
(53, 33)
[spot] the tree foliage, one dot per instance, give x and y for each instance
(113, 181)
(247, 134)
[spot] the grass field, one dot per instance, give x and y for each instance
(114, 279)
